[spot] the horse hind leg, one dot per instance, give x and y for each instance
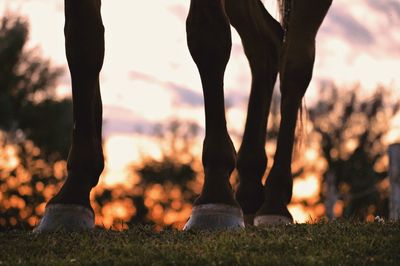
(70, 209)
(296, 70)
(262, 41)
(209, 42)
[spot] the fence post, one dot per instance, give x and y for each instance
(394, 177)
(330, 195)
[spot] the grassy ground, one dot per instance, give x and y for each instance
(319, 244)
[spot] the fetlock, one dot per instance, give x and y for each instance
(85, 164)
(251, 167)
(277, 195)
(219, 160)
(73, 191)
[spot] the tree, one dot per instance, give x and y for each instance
(34, 126)
(160, 191)
(351, 131)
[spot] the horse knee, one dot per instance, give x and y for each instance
(296, 72)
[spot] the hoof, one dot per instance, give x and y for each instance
(215, 217)
(271, 220)
(67, 217)
(249, 219)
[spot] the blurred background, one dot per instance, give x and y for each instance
(154, 118)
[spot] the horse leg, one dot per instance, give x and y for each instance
(84, 33)
(209, 42)
(262, 41)
(296, 68)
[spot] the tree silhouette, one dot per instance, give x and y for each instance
(351, 131)
(34, 127)
(175, 173)
(160, 191)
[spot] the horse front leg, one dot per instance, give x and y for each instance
(70, 208)
(296, 69)
(209, 42)
(262, 38)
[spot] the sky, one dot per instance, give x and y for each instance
(149, 77)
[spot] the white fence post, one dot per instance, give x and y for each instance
(394, 175)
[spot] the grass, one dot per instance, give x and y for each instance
(338, 243)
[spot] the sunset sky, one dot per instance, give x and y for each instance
(149, 77)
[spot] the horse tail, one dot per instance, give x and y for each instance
(284, 12)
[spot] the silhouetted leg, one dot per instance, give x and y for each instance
(295, 74)
(84, 35)
(209, 42)
(262, 40)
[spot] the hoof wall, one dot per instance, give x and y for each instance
(67, 217)
(215, 217)
(271, 220)
(249, 219)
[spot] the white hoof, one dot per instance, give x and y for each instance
(271, 220)
(215, 217)
(68, 217)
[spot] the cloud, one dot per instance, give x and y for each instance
(123, 120)
(368, 27)
(344, 25)
(390, 8)
(118, 120)
(179, 11)
(188, 97)
(183, 95)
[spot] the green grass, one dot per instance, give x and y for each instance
(318, 244)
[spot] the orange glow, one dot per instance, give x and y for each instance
(40, 208)
(3, 222)
(33, 220)
(300, 213)
(49, 191)
(311, 155)
(338, 208)
(116, 211)
(8, 158)
(157, 212)
(16, 202)
(155, 192)
(176, 204)
(23, 175)
(370, 218)
(60, 169)
(121, 151)
(39, 186)
(306, 188)
(175, 193)
(319, 210)
(119, 155)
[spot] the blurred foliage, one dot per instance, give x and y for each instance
(34, 127)
(351, 132)
(27, 92)
(176, 140)
(160, 191)
(175, 173)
